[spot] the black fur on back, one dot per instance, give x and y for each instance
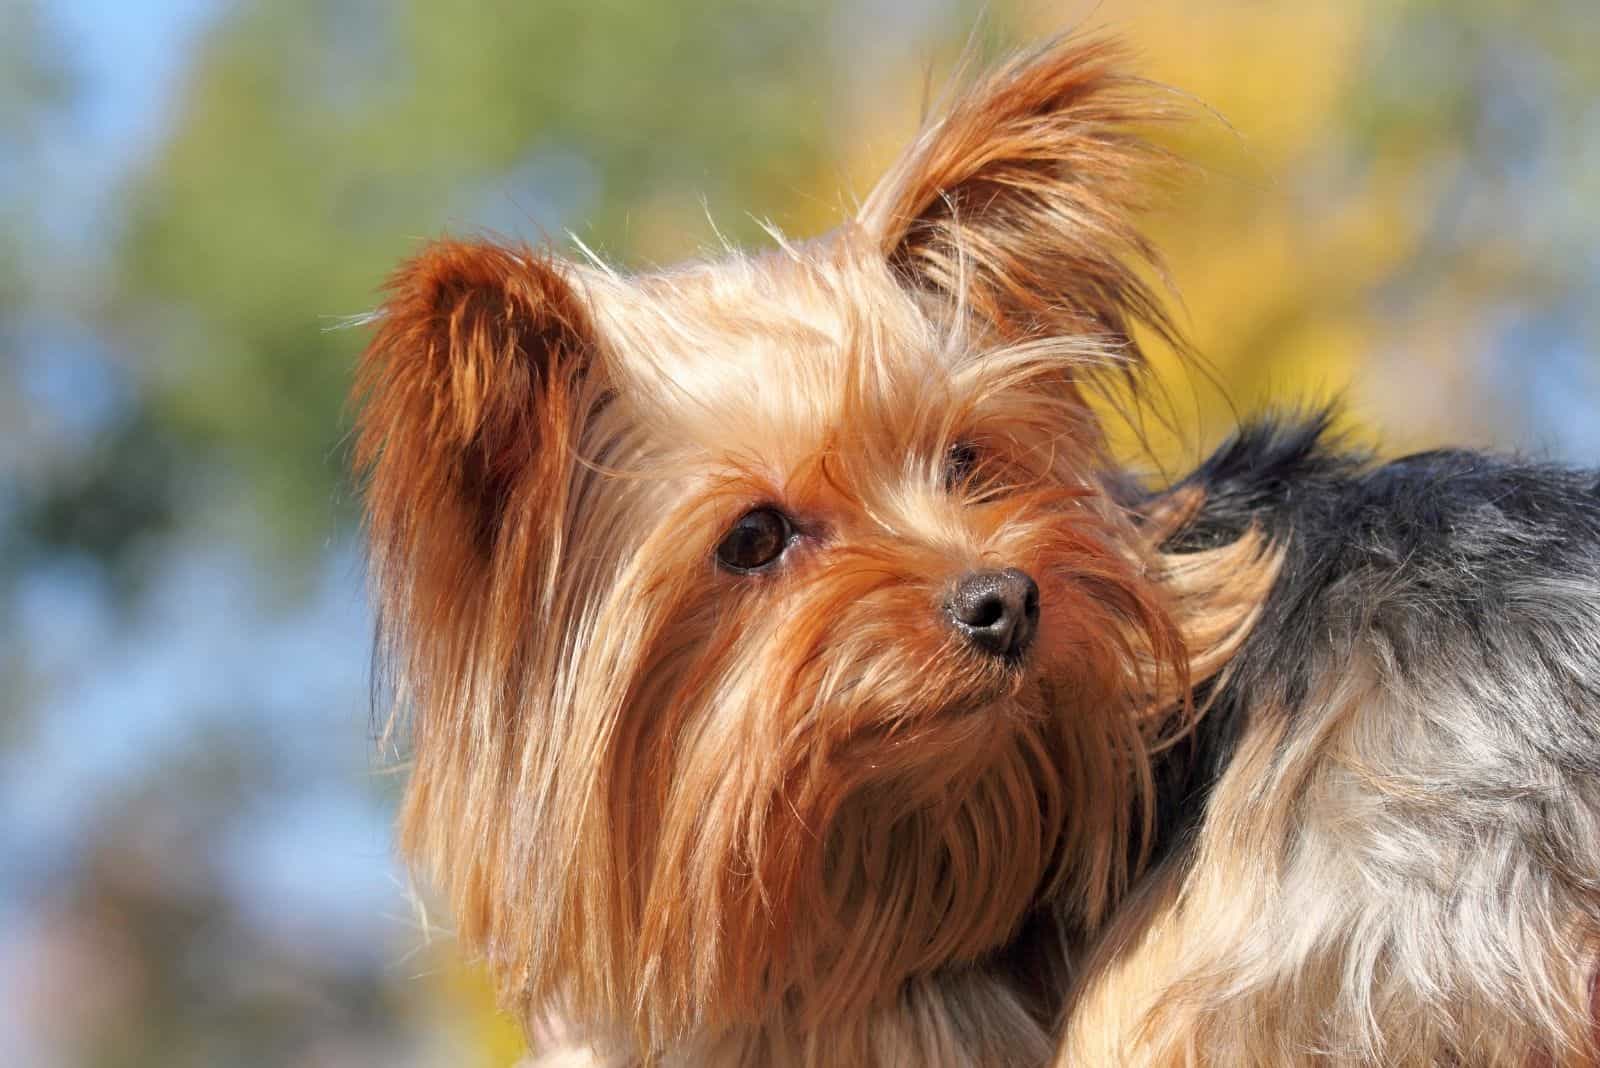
(1430, 555)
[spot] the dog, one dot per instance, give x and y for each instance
(794, 677)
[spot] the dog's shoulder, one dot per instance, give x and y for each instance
(1444, 520)
(1448, 564)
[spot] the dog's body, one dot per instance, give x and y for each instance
(1390, 814)
(796, 680)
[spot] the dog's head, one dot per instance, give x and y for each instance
(768, 633)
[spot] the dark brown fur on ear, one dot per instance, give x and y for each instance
(464, 390)
(471, 396)
(1019, 200)
(468, 398)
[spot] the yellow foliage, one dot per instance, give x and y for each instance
(456, 992)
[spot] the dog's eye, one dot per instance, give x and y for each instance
(756, 540)
(959, 463)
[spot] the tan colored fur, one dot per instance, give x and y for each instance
(688, 816)
(1328, 915)
(693, 816)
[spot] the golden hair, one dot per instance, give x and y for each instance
(790, 816)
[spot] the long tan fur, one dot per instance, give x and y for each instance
(693, 817)
(1328, 913)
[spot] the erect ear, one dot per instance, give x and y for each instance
(1018, 201)
(470, 392)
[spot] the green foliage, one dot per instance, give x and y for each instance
(34, 84)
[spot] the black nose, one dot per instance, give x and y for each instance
(998, 611)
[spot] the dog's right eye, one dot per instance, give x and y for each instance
(756, 540)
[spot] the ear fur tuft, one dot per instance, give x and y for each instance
(1018, 201)
(464, 390)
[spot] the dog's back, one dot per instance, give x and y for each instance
(1384, 840)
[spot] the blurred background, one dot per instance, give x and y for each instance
(1395, 201)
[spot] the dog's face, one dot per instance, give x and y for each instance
(769, 636)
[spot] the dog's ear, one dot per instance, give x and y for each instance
(470, 397)
(1018, 202)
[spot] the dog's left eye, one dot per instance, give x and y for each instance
(756, 540)
(959, 462)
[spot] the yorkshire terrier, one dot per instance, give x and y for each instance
(794, 677)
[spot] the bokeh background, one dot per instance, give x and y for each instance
(1395, 201)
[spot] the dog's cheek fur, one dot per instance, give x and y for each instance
(851, 797)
